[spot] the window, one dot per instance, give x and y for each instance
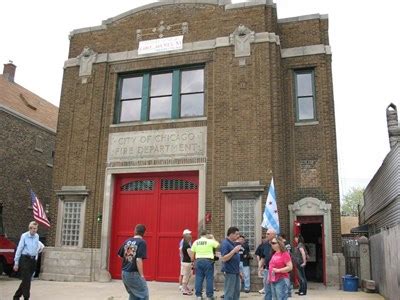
(131, 99)
(171, 94)
(39, 143)
(305, 95)
(71, 224)
(243, 217)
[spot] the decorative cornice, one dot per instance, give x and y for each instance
(261, 37)
(303, 18)
(306, 50)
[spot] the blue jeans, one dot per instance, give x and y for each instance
(232, 286)
(280, 289)
(289, 285)
(302, 279)
(246, 276)
(135, 285)
(267, 286)
(204, 269)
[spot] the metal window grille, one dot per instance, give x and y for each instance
(177, 184)
(140, 185)
(71, 224)
(243, 218)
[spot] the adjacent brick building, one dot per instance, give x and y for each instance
(27, 137)
(177, 115)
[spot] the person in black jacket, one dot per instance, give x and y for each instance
(245, 258)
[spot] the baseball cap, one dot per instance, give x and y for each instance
(186, 231)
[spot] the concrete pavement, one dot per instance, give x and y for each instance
(46, 290)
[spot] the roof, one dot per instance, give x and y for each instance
(20, 100)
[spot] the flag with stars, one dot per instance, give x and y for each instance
(270, 216)
(38, 212)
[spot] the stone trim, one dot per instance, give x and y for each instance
(306, 50)
(66, 194)
(306, 123)
(260, 37)
(169, 121)
(110, 174)
(244, 190)
(26, 119)
(304, 18)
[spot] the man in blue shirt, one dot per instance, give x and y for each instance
(25, 260)
(230, 264)
(132, 252)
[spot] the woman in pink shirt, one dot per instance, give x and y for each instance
(279, 267)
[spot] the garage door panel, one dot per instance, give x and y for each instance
(177, 212)
(168, 256)
(136, 209)
(166, 203)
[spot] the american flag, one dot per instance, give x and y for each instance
(38, 212)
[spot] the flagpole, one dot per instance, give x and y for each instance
(29, 190)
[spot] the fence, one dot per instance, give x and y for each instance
(351, 252)
(385, 262)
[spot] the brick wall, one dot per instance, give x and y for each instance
(251, 128)
(19, 162)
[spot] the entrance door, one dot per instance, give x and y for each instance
(166, 203)
(311, 228)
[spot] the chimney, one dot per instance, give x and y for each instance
(9, 71)
(393, 125)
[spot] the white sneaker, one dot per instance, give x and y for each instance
(261, 291)
(180, 288)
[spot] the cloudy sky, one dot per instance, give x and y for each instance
(363, 37)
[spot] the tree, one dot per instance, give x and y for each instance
(351, 201)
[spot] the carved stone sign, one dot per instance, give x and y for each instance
(157, 144)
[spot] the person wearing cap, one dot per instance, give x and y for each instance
(186, 261)
(203, 250)
(185, 232)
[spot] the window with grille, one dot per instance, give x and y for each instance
(71, 224)
(140, 185)
(177, 184)
(305, 95)
(243, 218)
(162, 94)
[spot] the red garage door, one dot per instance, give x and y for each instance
(166, 203)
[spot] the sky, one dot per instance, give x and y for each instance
(363, 36)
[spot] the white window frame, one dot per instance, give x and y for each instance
(241, 191)
(65, 195)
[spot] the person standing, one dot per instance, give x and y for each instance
(300, 259)
(25, 260)
(279, 267)
(132, 252)
(264, 263)
(203, 252)
(259, 251)
(231, 264)
(185, 232)
(245, 258)
(186, 263)
(289, 250)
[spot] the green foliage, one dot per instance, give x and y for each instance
(351, 200)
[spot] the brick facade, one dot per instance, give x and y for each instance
(252, 132)
(22, 160)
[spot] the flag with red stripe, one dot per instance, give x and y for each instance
(38, 212)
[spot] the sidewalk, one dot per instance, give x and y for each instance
(44, 290)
